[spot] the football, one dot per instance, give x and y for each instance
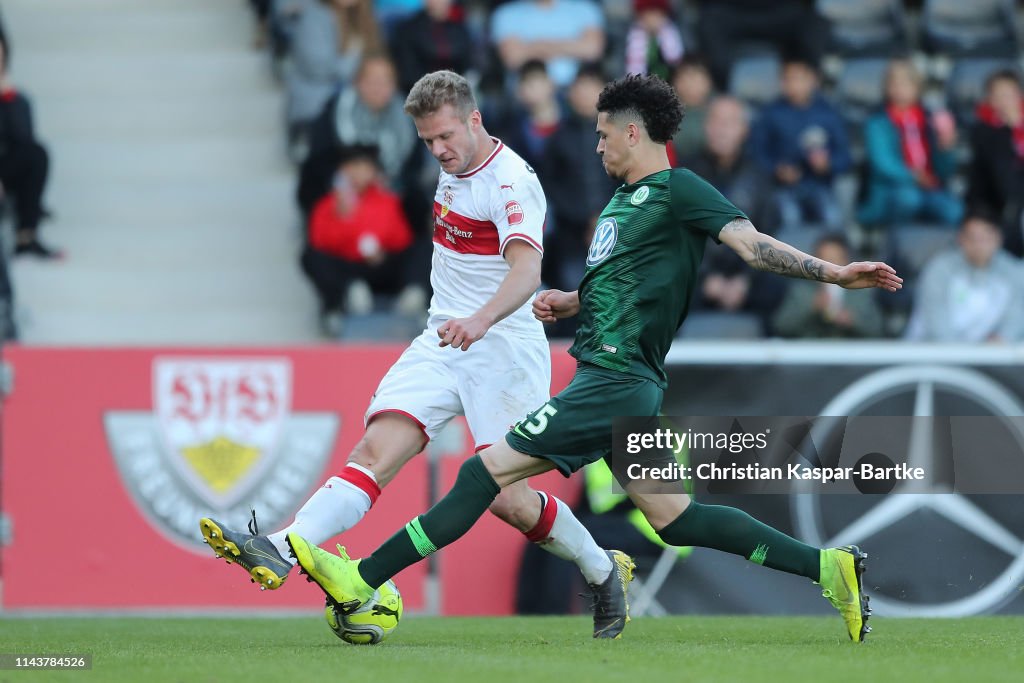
(371, 623)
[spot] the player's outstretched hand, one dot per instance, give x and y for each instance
(554, 304)
(460, 333)
(865, 274)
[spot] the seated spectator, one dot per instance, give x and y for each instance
(653, 43)
(328, 40)
(24, 164)
(371, 113)
(356, 234)
(725, 163)
(910, 156)
(434, 39)
(729, 285)
(533, 116)
(575, 183)
(995, 181)
(818, 310)
(973, 293)
(791, 26)
(692, 83)
(562, 33)
(801, 140)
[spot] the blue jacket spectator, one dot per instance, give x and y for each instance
(801, 140)
(562, 33)
(910, 156)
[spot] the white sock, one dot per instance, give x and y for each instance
(570, 540)
(336, 506)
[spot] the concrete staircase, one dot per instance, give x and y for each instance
(170, 188)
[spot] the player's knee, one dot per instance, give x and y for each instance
(384, 453)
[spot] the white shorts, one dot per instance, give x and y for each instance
(495, 384)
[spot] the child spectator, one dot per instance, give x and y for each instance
(910, 156)
(801, 140)
(653, 43)
(356, 233)
(818, 310)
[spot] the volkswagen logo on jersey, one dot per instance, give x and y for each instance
(601, 246)
(640, 196)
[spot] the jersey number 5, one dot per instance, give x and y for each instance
(539, 422)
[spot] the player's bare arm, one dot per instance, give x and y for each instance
(554, 304)
(522, 281)
(766, 253)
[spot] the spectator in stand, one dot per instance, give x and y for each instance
(534, 116)
(561, 33)
(692, 83)
(434, 39)
(818, 310)
(368, 114)
(910, 156)
(653, 43)
(793, 26)
(328, 40)
(973, 293)
(729, 285)
(801, 140)
(995, 181)
(576, 185)
(357, 233)
(725, 163)
(24, 164)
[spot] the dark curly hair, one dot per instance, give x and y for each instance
(645, 99)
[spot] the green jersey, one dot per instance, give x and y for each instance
(642, 270)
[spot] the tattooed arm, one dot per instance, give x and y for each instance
(766, 253)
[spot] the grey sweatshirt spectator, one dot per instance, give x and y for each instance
(974, 293)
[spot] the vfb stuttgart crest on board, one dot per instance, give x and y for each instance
(221, 438)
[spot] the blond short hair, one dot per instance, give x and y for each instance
(437, 89)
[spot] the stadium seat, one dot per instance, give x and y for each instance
(717, 325)
(864, 27)
(914, 245)
(378, 326)
(970, 27)
(860, 88)
(755, 79)
(966, 84)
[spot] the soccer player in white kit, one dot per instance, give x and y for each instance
(482, 355)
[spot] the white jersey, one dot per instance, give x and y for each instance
(476, 214)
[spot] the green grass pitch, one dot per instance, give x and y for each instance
(523, 649)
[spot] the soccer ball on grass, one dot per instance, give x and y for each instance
(372, 622)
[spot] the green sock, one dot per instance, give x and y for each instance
(734, 531)
(452, 516)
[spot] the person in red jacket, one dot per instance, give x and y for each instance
(357, 233)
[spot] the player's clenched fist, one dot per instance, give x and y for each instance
(554, 304)
(460, 333)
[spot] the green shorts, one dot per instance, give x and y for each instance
(574, 428)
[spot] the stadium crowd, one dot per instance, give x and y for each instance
(848, 128)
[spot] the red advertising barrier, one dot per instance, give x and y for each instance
(110, 456)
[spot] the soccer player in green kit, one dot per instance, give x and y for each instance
(641, 271)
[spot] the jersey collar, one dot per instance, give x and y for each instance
(498, 145)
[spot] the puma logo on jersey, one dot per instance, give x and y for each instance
(507, 187)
